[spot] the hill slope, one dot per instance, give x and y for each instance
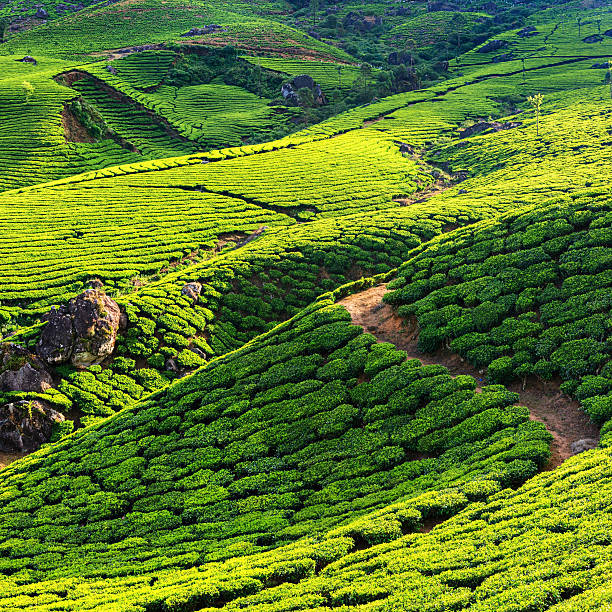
(353, 363)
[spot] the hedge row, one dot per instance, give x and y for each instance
(528, 294)
(300, 431)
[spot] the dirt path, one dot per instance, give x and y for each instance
(561, 415)
(7, 458)
(424, 195)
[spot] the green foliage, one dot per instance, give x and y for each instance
(253, 452)
(566, 330)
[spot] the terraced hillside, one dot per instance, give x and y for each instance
(256, 360)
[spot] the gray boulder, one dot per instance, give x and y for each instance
(22, 371)
(483, 126)
(207, 29)
(25, 425)
(580, 446)
(171, 366)
(56, 341)
(83, 332)
(192, 291)
(290, 89)
(28, 59)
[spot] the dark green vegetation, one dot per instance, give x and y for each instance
(274, 442)
(529, 294)
(246, 447)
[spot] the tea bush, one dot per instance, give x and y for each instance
(553, 263)
(255, 451)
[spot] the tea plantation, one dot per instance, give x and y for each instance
(277, 348)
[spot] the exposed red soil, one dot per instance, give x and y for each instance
(432, 190)
(74, 130)
(561, 415)
(7, 458)
(71, 77)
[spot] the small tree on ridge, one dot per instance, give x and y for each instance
(28, 90)
(536, 103)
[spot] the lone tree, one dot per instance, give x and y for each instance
(410, 46)
(536, 103)
(314, 7)
(28, 90)
(579, 21)
(523, 60)
(366, 73)
(339, 69)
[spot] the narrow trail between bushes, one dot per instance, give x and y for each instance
(562, 416)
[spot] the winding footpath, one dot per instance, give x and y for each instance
(562, 416)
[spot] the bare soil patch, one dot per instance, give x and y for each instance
(8, 458)
(561, 415)
(422, 196)
(74, 130)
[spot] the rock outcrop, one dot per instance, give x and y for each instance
(400, 57)
(26, 424)
(69, 8)
(363, 23)
(482, 126)
(192, 291)
(83, 332)
(580, 446)
(207, 29)
(493, 45)
(20, 370)
(290, 90)
(504, 57)
(28, 59)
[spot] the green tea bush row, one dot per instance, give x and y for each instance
(526, 295)
(256, 450)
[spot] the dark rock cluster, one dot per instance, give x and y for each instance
(358, 21)
(493, 45)
(290, 90)
(24, 424)
(83, 331)
(493, 126)
(207, 29)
